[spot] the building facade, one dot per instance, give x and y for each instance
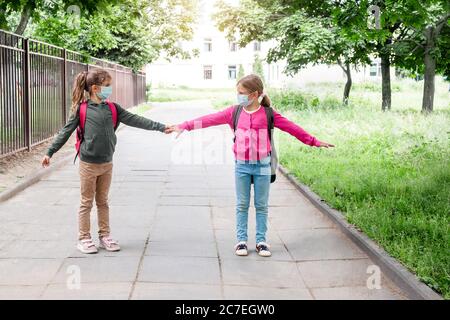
(219, 62)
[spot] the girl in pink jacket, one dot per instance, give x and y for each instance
(252, 150)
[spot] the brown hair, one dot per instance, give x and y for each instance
(83, 83)
(252, 83)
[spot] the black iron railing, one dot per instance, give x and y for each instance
(36, 81)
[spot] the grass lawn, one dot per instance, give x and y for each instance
(183, 93)
(389, 173)
(140, 109)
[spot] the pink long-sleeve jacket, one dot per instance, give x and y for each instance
(252, 139)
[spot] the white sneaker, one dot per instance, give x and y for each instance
(241, 248)
(263, 249)
(109, 244)
(87, 246)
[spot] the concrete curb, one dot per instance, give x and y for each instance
(34, 178)
(404, 279)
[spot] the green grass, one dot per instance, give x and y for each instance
(183, 94)
(389, 173)
(140, 109)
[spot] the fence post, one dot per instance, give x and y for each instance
(27, 94)
(135, 88)
(144, 87)
(64, 86)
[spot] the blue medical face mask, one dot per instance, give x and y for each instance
(244, 101)
(104, 93)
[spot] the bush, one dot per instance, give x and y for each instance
(293, 100)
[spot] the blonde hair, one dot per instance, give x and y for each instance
(83, 83)
(252, 83)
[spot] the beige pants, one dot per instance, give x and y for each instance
(95, 180)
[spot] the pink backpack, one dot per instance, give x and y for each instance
(80, 129)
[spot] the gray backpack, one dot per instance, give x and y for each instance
(270, 122)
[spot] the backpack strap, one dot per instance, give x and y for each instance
(270, 121)
(273, 153)
(236, 114)
(113, 108)
(82, 110)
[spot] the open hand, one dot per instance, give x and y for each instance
(325, 144)
(45, 161)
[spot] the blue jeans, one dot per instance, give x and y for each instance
(261, 171)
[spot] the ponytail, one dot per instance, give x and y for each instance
(78, 92)
(265, 102)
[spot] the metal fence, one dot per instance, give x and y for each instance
(36, 81)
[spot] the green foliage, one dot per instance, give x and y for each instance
(248, 19)
(258, 68)
(284, 100)
(241, 72)
(338, 32)
(129, 32)
(302, 37)
(403, 25)
(217, 96)
(33, 9)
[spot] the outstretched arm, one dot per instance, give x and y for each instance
(61, 138)
(64, 134)
(295, 130)
(134, 120)
(209, 120)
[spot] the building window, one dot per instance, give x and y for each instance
(207, 45)
(231, 72)
(207, 72)
(257, 46)
(375, 69)
(233, 46)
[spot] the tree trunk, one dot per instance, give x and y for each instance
(430, 71)
(24, 18)
(385, 82)
(348, 84)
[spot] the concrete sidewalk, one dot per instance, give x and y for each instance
(176, 225)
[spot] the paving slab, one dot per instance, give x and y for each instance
(176, 291)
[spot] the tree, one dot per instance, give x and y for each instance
(424, 52)
(410, 37)
(241, 72)
(31, 9)
(431, 35)
(352, 19)
(304, 35)
(258, 68)
(132, 32)
(305, 40)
